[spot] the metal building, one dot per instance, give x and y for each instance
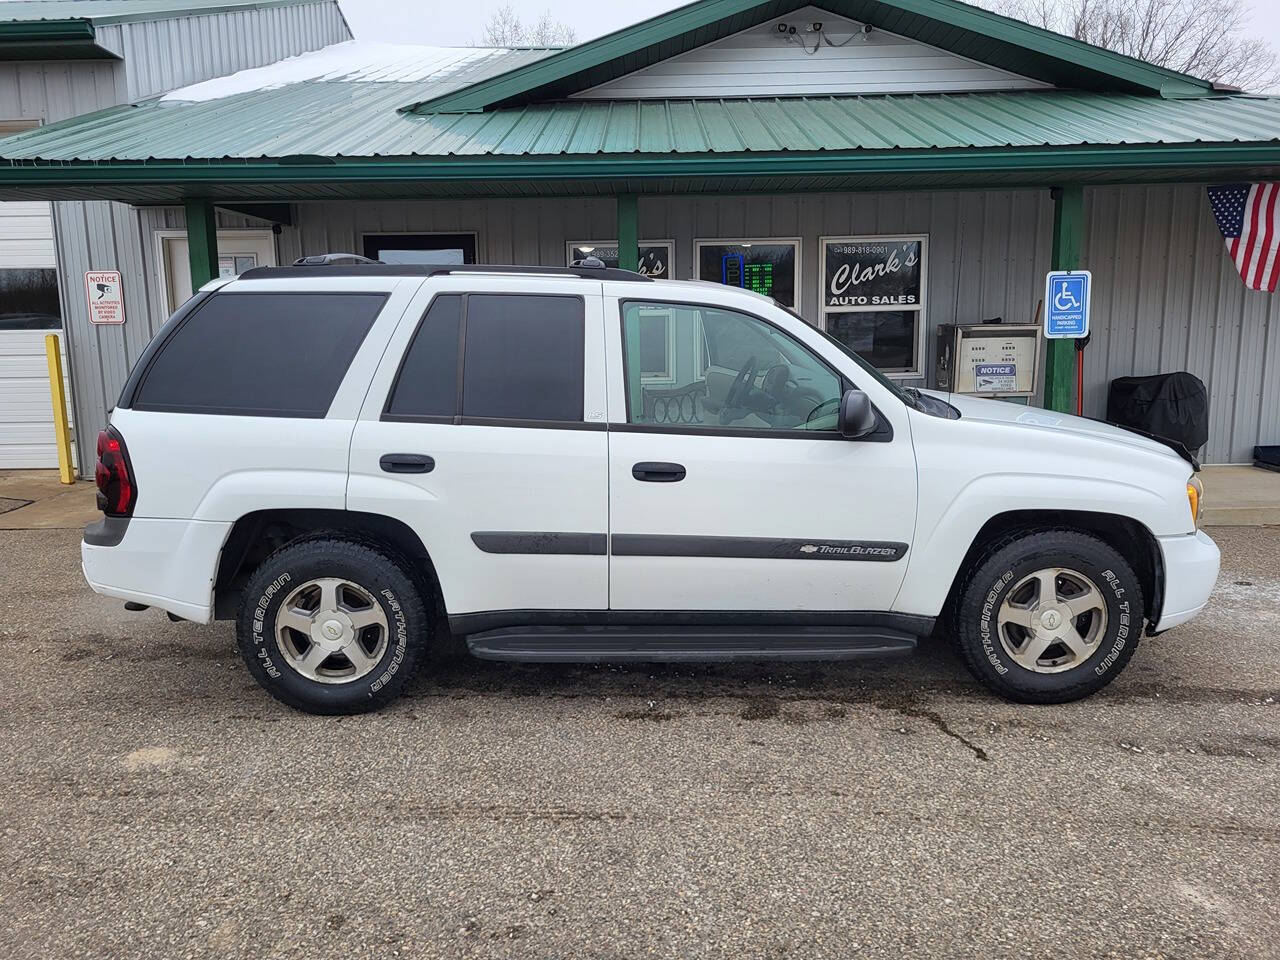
(767, 143)
(64, 58)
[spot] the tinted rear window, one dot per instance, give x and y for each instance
(428, 381)
(260, 354)
(524, 358)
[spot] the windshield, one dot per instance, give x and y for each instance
(910, 398)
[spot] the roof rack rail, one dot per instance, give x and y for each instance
(327, 268)
(332, 260)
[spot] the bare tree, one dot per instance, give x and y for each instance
(1211, 39)
(505, 29)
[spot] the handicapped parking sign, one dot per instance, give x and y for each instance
(1066, 300)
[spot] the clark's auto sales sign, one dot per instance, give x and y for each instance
(873, 274)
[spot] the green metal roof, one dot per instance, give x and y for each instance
(123, 11)
(361, 120)
(949, 24)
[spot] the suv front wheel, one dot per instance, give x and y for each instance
(331, 626)
(1049, 617)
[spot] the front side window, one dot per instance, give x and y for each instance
(730, 370)
(260, 354)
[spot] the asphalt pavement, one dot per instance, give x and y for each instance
(156, 803)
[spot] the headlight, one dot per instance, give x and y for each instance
(1195, 496)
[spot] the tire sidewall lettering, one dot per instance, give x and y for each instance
(392, 664)
(262, 648)
(991, 648)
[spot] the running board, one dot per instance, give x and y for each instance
(687, 644)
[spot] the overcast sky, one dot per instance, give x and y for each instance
(453, 23)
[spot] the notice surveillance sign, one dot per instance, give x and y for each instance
(106, 299)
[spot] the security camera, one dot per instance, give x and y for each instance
(866, 29)
(782, 28)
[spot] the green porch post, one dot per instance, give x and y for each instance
(1068, 253)
(628, 232)
(202, 242)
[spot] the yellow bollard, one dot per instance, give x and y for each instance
(58, 392)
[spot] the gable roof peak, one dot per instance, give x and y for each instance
(951, 25)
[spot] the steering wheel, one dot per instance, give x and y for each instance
(739, 389)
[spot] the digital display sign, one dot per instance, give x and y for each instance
(766, 267)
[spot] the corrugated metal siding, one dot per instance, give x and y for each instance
(161, 55)
(98, 235)
(761, 62)
(988, 250)
(56, 90)
(1166, 298)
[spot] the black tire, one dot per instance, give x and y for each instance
(999, 571)
(388, 582)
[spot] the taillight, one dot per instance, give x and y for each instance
(117, 492)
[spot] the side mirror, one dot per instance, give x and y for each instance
(857, 416)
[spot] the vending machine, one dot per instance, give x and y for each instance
(989, 359)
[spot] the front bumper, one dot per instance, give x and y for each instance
(167, 564)
(1191, 564)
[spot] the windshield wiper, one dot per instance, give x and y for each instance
(916, 397)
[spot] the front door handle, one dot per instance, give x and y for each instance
(406, 463)
(658, 472)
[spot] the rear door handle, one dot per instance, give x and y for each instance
(658, 472)
(407, 463)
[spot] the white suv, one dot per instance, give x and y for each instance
(583, 464)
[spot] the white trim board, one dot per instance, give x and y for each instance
(762, 62)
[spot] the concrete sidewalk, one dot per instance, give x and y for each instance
(37, 500)
(1239, 496)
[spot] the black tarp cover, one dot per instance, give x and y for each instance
(1170, 405)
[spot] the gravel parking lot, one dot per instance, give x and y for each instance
(157, 804)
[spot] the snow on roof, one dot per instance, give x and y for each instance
(354, 61)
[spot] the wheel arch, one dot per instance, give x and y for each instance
(1128, 537)
(255, 536)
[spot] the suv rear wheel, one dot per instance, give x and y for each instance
(1049, 617)
(332, 626)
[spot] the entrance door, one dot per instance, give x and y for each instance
(480, 441)
(733, 490)
(238, 251)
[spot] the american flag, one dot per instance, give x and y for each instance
(1248, 215)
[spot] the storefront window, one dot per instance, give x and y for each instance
(873, 298)
(769, 267)
(421, 248)
(656, 256)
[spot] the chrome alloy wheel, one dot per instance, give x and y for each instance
(331, 630)
(1052, 620)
